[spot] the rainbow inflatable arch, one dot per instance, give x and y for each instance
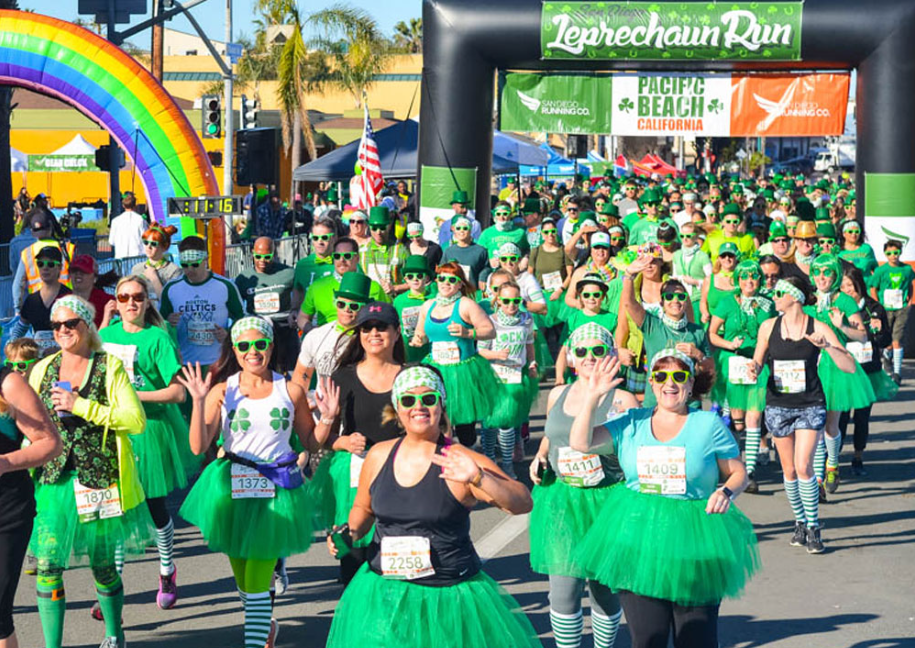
(72, 64)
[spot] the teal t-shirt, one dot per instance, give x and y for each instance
(863, 258)
(150, 356)
(659, 336)
(889, 280)
(472, 259)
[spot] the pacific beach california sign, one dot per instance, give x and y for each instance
(767, 31)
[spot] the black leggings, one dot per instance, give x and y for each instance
(466, 434)
(862, 421)
(13, 544)
(651, 620)
(158, 512)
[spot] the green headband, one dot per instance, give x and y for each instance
(191, 256)
(413, 377)
(252, 323)
(79, 306)
(591, 331)
(792, 290)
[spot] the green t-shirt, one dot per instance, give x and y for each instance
(150, 357)
(696, 266)
(863, 258)
(893, 284)
(320, 299)
(658, 335)
(631, 219)
(492, 239)
(268, 294)
(743, 324)
(310, 269)
(578, 318)
(646, 231)
(472, 259)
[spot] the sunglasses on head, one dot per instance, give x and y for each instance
(137, 298)
(827, 241)
(748, 274)
(193, 264)
(597, 294)
(259, 345)
(448, 279)
(429, 399)
(549, 232)
(151, 243)
(671, 296)
(69, 324)
(47, 263)
(348, 305)
(893, 253)
(19, 365)
(825, 272)
(346, 256)
(321, 237)
(660, 377)
(508, 258)
(378, 228)
(596, 351)
(510, 300)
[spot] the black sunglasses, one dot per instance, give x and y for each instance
(195, 264)
(69, 324)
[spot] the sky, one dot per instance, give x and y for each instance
(211, 14)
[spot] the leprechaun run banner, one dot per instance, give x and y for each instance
(663, 104)
(748, 31)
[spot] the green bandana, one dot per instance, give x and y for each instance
(792, 290)
(414, 377)
(252, 323)
(79, 306)
(591, 331)
(671, 352)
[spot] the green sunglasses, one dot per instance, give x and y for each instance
(259, 345)
(344, 255)
(748, 274)
(378, 228)
(321, 237)
(151, 243)
(263, 257)
(502, 213)
(509, 258)
(429, 399)
(596, 351)
(510, 300)
(678, 376)
(19, 365)
(413, 276)
(893, 253)
(731, 221)
(461, 228)
(852, 231)
(448, 279)
(597, 294)
(47, 263)
(671, 296)
(348, 305)
(827, 241)
(825, 272)
(549, 232)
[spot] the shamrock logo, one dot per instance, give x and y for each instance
(672, 16)
(767, 53)
(715, 106)
(239, 420)
(626, 105)
(279, 419)
(666, 54)
(704, 19)
(772, 9)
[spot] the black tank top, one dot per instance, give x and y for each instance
(430, 510)
(17, 491)
(784, 356)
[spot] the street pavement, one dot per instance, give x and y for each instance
(860, 594)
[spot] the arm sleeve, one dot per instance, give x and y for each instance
(124, 412)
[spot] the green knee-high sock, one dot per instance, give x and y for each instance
(52, 604)
(111, 601)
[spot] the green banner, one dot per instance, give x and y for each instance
(556, 104)
(62, 163)
(889, 209)
(436, 191)
(748, 31)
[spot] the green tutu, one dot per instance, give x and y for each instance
(554, 311)
(472, 388)
(561, 517)
(719, 391)
(514, 409)
(332, 494)
(844, 391)
(669, 548)
(59, 539)
(742, 397)
(258, 529)
(884, 387)
(386, 613)
(162, 465)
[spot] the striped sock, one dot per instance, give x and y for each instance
(566, 629)
(165, 542)
(507, 445)
(810, 494)
(119, 558)
(604, 628)
(897, 361)
(833, 446)
(819, 460)
(489, 443)
(257, 619)
(243, 596)
(751, 449)
(794, 499)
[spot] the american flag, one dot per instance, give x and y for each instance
(370, 162)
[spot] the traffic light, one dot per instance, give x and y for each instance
(249, 112)
(211, 116)
(102, 158)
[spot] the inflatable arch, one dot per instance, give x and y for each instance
(466, 41)
(87, 72)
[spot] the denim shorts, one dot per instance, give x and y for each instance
(782, 421)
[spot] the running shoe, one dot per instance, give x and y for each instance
(113, 642)
(763, 458)
(832, 479)
(280, 577)
(274, 633)
(857, 468)
(814, 542)
(168, 590)
(897, 379)
(752, 486)
(799, 539)
(823, 499)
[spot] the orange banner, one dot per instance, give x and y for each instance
(788, 105)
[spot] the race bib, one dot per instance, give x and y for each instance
(863, 351)
(406, 557)
(892, 298)
(45, 339)
(96, 504)
(267, 303)
(410, 318)
(508, 374)
(248, 483)
(201, 333)
(446, 353)
(790, 376)
(127, 354)
(578, 469)
(552, 281)
(739, 370)
(355, 469)
(662, 470)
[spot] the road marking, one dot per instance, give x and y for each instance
(501, 535)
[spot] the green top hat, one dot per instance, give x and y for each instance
(777, 229)
(418, 264)
(822, 214)
(531, 206)
(731, 209)
(826, 230)
(379, 215)
(354, 286)
(650, 195)
(609, 209)
(460, 197)
(805, 210)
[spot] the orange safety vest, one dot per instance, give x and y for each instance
(31, 267)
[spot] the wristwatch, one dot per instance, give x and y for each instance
(728, 492)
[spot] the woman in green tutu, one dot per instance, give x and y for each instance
(423, 585)
(844, 391)
(733, 329)
(163, 451)
(90, 500)
(570, 489)
(453, 323)
(251, 503)
(879, 336)
(669, 543)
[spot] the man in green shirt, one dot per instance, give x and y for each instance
(472, 258)
(646, 229)
(319, 300)
(891, 285)
(382, 257)
(317, 264)
(501, 232)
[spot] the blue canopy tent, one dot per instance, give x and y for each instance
(557, 166)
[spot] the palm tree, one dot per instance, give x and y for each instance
(355, 45)
(408, 37)
(6, 181)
